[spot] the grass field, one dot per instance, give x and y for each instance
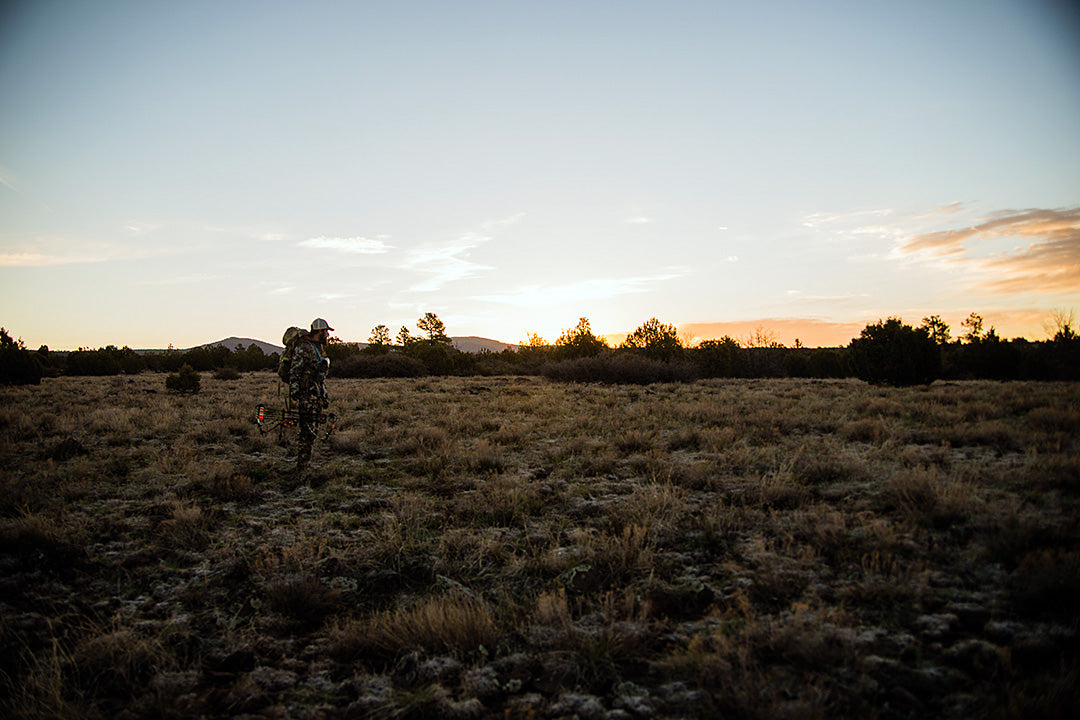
(515, 548)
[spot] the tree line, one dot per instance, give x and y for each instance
(888, 352)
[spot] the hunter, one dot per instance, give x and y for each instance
(307, 389)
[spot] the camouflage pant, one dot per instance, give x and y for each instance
(305, 440)
(308, 408)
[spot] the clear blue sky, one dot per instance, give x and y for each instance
(178, 172)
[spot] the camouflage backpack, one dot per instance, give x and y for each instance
(290, 339)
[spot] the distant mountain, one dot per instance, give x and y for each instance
(236, 342)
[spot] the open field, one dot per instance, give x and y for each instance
(516, 548)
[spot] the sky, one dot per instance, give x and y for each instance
(177, 173)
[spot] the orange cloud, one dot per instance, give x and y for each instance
(1049, 263)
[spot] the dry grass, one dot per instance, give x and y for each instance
(511, 547)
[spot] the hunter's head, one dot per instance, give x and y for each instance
(320, 330)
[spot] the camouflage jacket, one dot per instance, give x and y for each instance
(307, 373)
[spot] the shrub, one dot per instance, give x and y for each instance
(720, 358)
(892, 353)
(655, 340)
(615, 368)
(391, 364)
(19, 367)
(227, 373)
(185, 380)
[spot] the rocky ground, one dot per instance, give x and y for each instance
(515, 548)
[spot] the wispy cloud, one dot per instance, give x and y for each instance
(639, 220)
(7, 179)
(186, 279)
(592, 289)
(1049, 262)
(492, 225)
(820, 219)
(447, 263)
(353, 245)
(138, 227)
(33, 259)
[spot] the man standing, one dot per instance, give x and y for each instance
(307, 391)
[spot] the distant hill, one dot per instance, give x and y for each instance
(473, 344)
(237, 342)
(470, 344)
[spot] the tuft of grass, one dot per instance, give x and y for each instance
(454, 623)
(927, 497)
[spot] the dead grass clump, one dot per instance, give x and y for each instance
(654, 505)
(868, 430)
(926, 496)
(828, 464)
(779, 490)
(552, 609)
(880, 407)
(717, 439)
(46, 689)
(1054, 419)
(455, 624)
(114, 663)
(620, 555)
(720, 525)
(302, 597)
(187, 528)
(1014, 532)
(229, 485)
(503, 500)
(487, 456)
(425, 441)
(1054, 471)
(31, 531)
(351, 442)
(996, 434)
(760, 670)
(636, 440)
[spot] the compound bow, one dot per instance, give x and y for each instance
(280, 420)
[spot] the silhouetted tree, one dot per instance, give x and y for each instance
(434, 327)
(720, 358)
(890, 352)
(938, 329)
(17, 365)
(380, 337)
(579, 342)
(973, 328)
(655, 340)
(1060, 326)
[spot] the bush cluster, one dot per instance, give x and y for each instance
(185, 380)
(886, 352)
(626, 368)
(17, 365)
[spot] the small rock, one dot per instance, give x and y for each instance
(483, 682)
(975, 655)
(935, 627)
(586, 707)
(438, 669)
